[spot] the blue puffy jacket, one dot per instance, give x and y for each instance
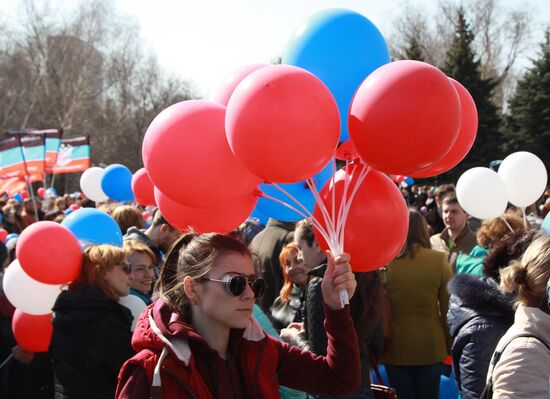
(479, 315)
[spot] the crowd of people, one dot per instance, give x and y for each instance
(256, 313)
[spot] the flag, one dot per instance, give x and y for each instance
(52, 142)
(12, 161)
(12, 185)
(34, 152)
(73, 156)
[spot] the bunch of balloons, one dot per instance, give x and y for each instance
(273, 131)
(521, 180)
(48, 257)
(114, 182)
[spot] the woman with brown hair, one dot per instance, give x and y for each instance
(91, 330)
(128, 216)
(417, 292)
(287, 308)
(198, 340)
(489, 234)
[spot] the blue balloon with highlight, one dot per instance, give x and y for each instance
(116, 183)
(18, 197)
(299, 190)
(93, 227)
(342, 48)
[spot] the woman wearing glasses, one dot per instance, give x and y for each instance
(91, 330)
(198, 340)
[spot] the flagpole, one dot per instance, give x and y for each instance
(31, 191)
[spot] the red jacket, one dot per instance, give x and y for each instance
(173, 361)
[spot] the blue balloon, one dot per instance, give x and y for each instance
(546, 224)
(409, 181)
(92, 226)
(50, 192)
(448, 388)
(10, 236)
(18, 197)
(340, 47)
(256, 213)
(116, 183)
(299, 190)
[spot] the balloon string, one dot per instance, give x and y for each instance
(507, 224)
(362, 176)
(6, 361)
(524, 217)
(309, 216)
(282, 190)
(324, 211)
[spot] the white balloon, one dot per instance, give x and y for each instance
(525, 177)
(135, 304)
(90, 184)
(482, 193)
(27, 294)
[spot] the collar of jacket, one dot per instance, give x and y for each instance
(290, 226)
(318, 271)
(465, 231)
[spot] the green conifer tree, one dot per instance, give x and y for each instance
(527, 125)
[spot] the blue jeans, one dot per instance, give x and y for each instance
(415, 382)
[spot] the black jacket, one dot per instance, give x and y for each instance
(282, 314)
(90, 342)
(479, 315)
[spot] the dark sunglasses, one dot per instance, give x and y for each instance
(126, 267)
(236, 284)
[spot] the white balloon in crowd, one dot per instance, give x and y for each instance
(27, 294)
(90, 183)
(135, 305)
(525, 177)
(482, 193)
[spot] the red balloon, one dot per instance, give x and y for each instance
(143, 188)
(41, 192)
(346, 151)
(24, 194)
(404, 117)
(146, 215)
(223, 94)
(32, 333)
(282, 123)
(465, 139)
(48, 252)
(187, 156)
(222, 218)
(377, 223)
(398, 178)
(3, 235)
(74, 207)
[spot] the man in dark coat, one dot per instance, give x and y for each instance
(267, 246)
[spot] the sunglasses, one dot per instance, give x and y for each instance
(126, 267)
(236, 284)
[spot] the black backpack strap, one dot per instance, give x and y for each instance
(498, 354)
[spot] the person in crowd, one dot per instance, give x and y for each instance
(287, 308)
(479, 314)
(28, 375)
(128, 216)
(159, 237)
(12, 221)
(435, 207)
(523, 366)
(417, 293)
(198, 339)
(267, 246)
(28, 216)
(457, 237)
(91, 330)
(489, 234)
(311, 334)
(142, 260)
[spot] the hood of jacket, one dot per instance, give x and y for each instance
(472, 296)
(160, 328)
(83, 306)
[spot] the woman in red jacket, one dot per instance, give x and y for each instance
(199, 339)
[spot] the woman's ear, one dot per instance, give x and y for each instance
(190, 289)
